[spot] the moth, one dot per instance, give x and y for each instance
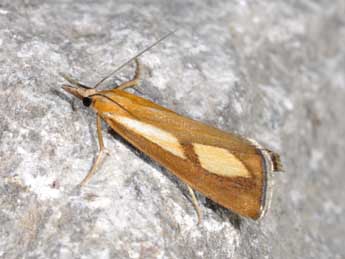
(229, 169)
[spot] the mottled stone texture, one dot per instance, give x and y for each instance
(271, 70)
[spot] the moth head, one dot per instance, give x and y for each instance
(79, 90)
(81, 93)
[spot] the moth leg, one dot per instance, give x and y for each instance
(195, 203)
(100, 154)
(136, 79)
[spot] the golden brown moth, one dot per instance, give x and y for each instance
(229, 169)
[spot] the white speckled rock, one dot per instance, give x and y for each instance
(272, 70)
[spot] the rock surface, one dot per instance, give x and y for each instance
(271, 70)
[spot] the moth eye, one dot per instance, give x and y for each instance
(87, 101)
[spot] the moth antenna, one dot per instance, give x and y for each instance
(134, 57)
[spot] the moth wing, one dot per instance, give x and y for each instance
(225, 167)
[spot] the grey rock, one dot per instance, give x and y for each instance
(271, 70)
